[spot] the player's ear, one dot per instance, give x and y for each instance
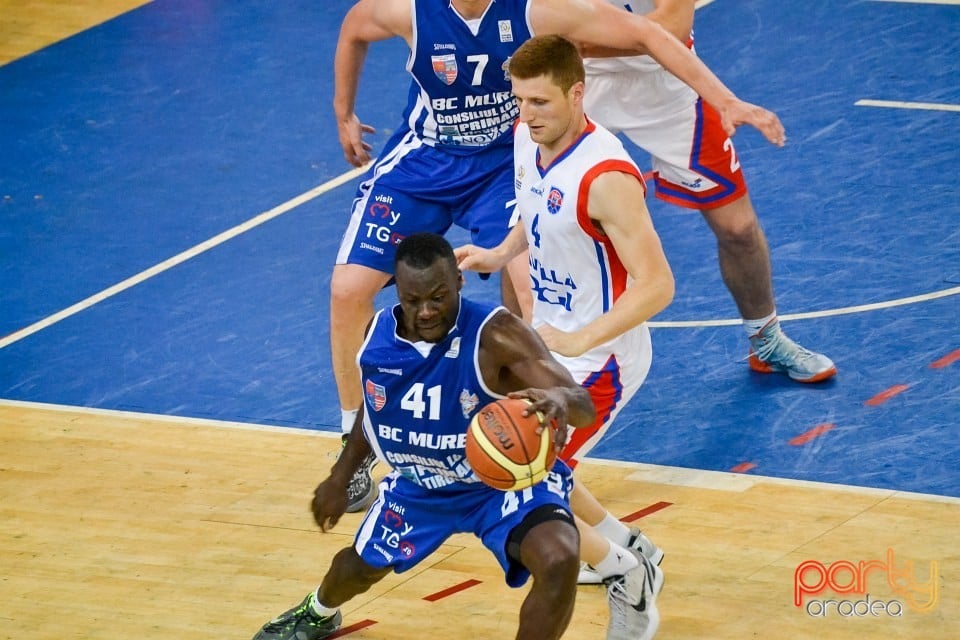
(576, 92)
(460, 280)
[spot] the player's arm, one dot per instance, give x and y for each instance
(616, 204)
(330, 497)
(596, 22)
(515, 361)
(367, 21)
(473, 258)
(676, 16)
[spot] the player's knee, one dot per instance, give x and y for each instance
(741, 231)
(548, 544)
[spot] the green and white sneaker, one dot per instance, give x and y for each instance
(300, 623)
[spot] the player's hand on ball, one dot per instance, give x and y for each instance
(552, 404)
(329, 503)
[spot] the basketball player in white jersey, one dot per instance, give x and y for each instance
(598, 272)
(695, 166)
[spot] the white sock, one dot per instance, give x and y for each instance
(347, 418)
(319, 609)
(617, 562)
(613, 530)
(753, 327)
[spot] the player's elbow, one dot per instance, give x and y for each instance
(666, 288)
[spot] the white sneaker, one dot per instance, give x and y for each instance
(645, 545)
(632, 599)
(588, 575)
(638, 541)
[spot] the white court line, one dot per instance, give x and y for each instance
(894, 104)
(814, 314)
(956, 2)
(700, 4)
(182, 257)
(674, 476)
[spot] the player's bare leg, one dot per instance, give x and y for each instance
(745, 266)
(549, 552)
(353, 288)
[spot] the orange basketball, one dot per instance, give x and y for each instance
(504, 448)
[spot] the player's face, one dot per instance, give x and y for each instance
(429, 298)
(550, 113)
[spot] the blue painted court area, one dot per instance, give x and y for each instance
(141, 138)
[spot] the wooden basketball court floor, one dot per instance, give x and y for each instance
(129, 526)
(120, 525)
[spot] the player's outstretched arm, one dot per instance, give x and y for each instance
(516, 362)
(598, 23)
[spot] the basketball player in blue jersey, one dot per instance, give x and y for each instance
(427, 365)
(450, 162)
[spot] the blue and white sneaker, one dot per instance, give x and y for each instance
(771, 351)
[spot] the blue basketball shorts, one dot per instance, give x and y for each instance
(407, 522)
(415, 188)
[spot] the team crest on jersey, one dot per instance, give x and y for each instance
(376, 395)
(445, 67)
(468, 402)
(506, 31)
(554, 200)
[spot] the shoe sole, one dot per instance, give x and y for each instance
(758, 365)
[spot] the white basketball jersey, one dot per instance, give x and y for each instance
(576, 274)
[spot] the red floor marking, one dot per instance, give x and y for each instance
(946, 360)
(356, 626)
(816, 432)
(433, 597)
(636, 515)
(883, 396)
(743, 467)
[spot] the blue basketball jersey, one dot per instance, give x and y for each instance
(464, 100)
(419, 397)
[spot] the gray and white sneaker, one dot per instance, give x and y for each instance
(771, 351)
(362, 490)
(632, 599)
(638, 541)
